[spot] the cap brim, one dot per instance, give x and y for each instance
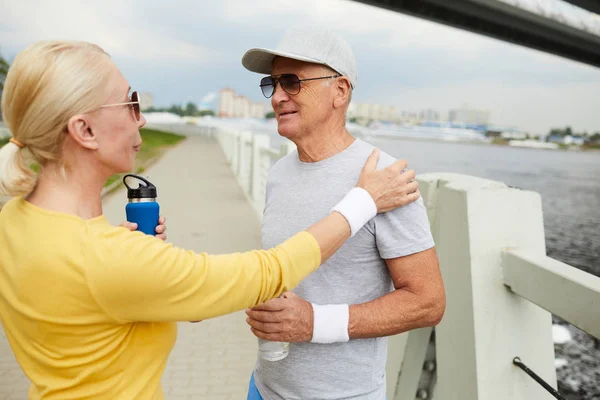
(261, 60)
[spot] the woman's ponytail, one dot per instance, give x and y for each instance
(16, 177)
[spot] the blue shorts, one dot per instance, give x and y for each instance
(253, 393)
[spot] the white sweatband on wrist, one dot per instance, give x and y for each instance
(358, 207)
(330, 323)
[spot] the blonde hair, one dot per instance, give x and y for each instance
(47, 84)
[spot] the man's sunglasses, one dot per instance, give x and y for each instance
(290, 83)
(134, 103)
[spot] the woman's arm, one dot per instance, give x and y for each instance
(135, 277)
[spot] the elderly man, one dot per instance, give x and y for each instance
(385, 280)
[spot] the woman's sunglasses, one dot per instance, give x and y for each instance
(290, 83)
(134, 103)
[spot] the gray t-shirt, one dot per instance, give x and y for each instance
(298, 195)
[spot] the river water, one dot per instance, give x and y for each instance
(568, 182)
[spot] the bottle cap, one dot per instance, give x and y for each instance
(145, 190)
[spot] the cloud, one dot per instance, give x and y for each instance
(110, 25)
(379, 27)
(182, 50)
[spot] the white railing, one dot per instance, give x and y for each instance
(250, 158)
(568, 293)
(185, 129)
(501, 287)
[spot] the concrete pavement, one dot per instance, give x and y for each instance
(206, 211)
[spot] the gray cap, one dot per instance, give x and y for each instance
(311, 44)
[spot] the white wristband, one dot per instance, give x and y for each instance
(358, 207)
(330, 323)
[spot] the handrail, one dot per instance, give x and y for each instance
(271, 152)
(565, 291)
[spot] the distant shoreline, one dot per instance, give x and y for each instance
(425, 139)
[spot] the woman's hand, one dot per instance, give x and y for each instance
(391, 187)
(161, 228)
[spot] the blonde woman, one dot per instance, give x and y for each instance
(89, 309)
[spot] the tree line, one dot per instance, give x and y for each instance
(567, 131)
(188, 110)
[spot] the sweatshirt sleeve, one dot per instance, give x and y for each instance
(136, 277)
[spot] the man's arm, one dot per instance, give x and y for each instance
(418, 301)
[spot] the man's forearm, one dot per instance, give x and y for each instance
(396, 312)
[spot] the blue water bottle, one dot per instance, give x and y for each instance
(142, 207)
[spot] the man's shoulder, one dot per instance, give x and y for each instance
(288, 164)
(365, 150)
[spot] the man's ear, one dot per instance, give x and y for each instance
(80, 130)
(343, 90)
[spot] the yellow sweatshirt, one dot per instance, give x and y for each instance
(89, 309)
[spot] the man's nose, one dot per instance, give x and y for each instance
(279, 95)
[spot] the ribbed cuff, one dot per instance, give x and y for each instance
(358, 207)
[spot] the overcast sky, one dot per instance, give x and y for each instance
(188, 50)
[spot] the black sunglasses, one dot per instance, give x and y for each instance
(290, 83)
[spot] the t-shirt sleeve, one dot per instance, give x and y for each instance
(403, 231)
(135, 277)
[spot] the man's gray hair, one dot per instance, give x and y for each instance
(329, 71)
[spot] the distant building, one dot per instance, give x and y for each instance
(377, 112)
(232, 105)
(146, 100)
(387, 113)
(409, 116)
(359, 111)
(429, 115)
(241, 107)
(372, 112)
(226, 103)
(416, 117)
(257, 110)
(469, 116)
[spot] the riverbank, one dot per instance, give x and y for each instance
(497, 142)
